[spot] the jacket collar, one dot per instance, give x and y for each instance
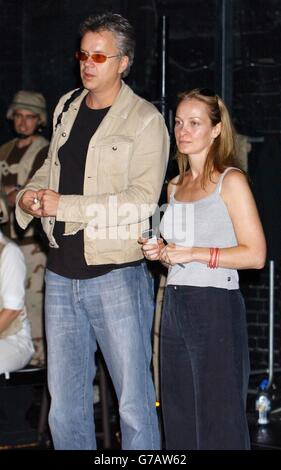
(119, 106)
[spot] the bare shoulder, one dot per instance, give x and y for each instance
(234, 180)
(235, 188)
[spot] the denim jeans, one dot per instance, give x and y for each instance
(116, 311)
(205, 369)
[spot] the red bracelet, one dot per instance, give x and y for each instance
(214, 258)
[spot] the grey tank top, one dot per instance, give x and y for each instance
(202, 223)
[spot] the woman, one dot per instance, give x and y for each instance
(16, 348)
(212, 228)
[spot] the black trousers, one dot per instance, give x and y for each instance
(204, 369)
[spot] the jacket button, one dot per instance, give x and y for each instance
(64, 134)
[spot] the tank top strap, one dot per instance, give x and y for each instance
(174, 186)
(219, 185)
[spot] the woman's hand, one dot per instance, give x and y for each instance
(174, 254)
(150, 250)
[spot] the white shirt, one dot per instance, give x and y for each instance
(12, 276)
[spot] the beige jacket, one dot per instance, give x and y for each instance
(124, 172)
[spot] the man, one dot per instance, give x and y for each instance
(23, 155)
(20, 158)
(95, 194)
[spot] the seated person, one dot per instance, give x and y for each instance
(20, 158)
(16, 348)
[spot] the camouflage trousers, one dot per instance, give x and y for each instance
(34, 298)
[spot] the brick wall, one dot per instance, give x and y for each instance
(255, 288)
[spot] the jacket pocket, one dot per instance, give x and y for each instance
(114, 155)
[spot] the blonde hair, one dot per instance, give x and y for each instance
(222, 153)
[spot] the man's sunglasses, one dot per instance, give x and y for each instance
(96, 57)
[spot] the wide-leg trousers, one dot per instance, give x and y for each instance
(204, 368)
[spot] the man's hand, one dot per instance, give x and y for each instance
(49, 201)
(29, 202)
(42, 203)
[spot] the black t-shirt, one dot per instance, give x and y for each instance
(68, 260)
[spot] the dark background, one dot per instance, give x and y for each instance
(39, 38)
(232, 46)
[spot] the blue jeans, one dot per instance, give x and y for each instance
(116, 311)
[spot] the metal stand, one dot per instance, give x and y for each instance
(271, 323)
(162, 102)
(270, 369)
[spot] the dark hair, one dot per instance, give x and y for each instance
(119, 27)
(222, 152)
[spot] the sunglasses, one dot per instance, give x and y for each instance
(96, 57)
